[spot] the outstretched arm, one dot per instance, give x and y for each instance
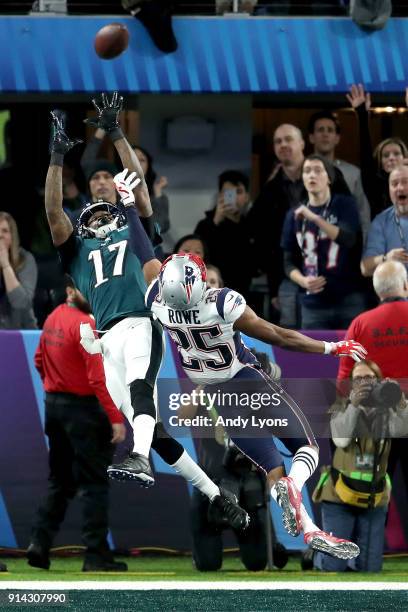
(139, 242)
(250, 324)
(108, 112)
(60, 225)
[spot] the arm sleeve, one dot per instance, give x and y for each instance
(289, 263)
(22, 297)
(398, 422)
(151, 293)
(343, 424)
(346, 363)
(138, 240)
(68, 250)
(375, 244)
(348, 221)
(230, 305)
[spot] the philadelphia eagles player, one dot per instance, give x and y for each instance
(111, 278)
(205, 324)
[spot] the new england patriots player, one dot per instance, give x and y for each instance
(205, 324)
(110, 276)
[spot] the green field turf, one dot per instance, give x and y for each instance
(179, 568)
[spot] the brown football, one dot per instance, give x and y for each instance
(111, 40)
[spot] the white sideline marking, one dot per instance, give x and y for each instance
(242, 585)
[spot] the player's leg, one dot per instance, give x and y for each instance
(174, 454)
(299, 439)
(133, 353)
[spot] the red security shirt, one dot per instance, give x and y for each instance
(383, 331)
(65, 366)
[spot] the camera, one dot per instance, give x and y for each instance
(384, 394)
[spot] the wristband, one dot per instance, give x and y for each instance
(116, 134)
(57, 159)
(328, 347)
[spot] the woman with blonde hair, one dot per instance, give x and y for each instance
(18, 278)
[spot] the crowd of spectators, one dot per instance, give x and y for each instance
(314, 230)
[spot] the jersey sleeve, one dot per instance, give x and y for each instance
(230, 305)
(67, 251)
(152, 293)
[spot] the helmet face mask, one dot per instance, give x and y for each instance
(182, 281)
(102, 230)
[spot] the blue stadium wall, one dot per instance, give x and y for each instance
(55, 54)
(158, 517)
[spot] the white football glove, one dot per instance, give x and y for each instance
(91, 344)
(124, 186)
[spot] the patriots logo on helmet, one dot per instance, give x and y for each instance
(189, 279)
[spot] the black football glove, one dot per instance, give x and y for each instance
(60, 142)
(107, 113)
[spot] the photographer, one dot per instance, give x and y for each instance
(355, 489)
(231, 470)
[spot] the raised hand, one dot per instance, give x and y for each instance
(108, 112)
(348, 348)
(60, 142)
(124, 186)
(358, 96)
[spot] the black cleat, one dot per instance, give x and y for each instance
(3, 567)
(224, 508)
(38, 556)
(104, 566)
(135, 468)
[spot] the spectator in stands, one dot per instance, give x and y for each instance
(214, 278)
(383, 331)
(191, 243)
(355, 489)
(244, 6)
(155, 185)
(18, 278)
(375, 166)
(74, 200)
(225, 231)
(388, 235)
(321, 247)
(324, 135)
(283, 190)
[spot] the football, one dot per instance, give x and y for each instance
(111, 40)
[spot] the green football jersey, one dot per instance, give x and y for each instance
(109, 275)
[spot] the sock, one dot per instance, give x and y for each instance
(307, 523)
(143, 428)
(192, 472)
(303, 465)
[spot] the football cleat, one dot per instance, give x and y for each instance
(135, 468)
(290, 499)
(224, 508)
(329, 544)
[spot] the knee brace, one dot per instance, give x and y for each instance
(141, 396)
(167, 447)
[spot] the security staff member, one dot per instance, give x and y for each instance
(82, 423)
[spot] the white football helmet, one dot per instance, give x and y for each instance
(182, 281)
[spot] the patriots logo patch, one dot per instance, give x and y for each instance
(189, 280)
(238, 302)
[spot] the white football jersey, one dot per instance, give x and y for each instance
(210, 350)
